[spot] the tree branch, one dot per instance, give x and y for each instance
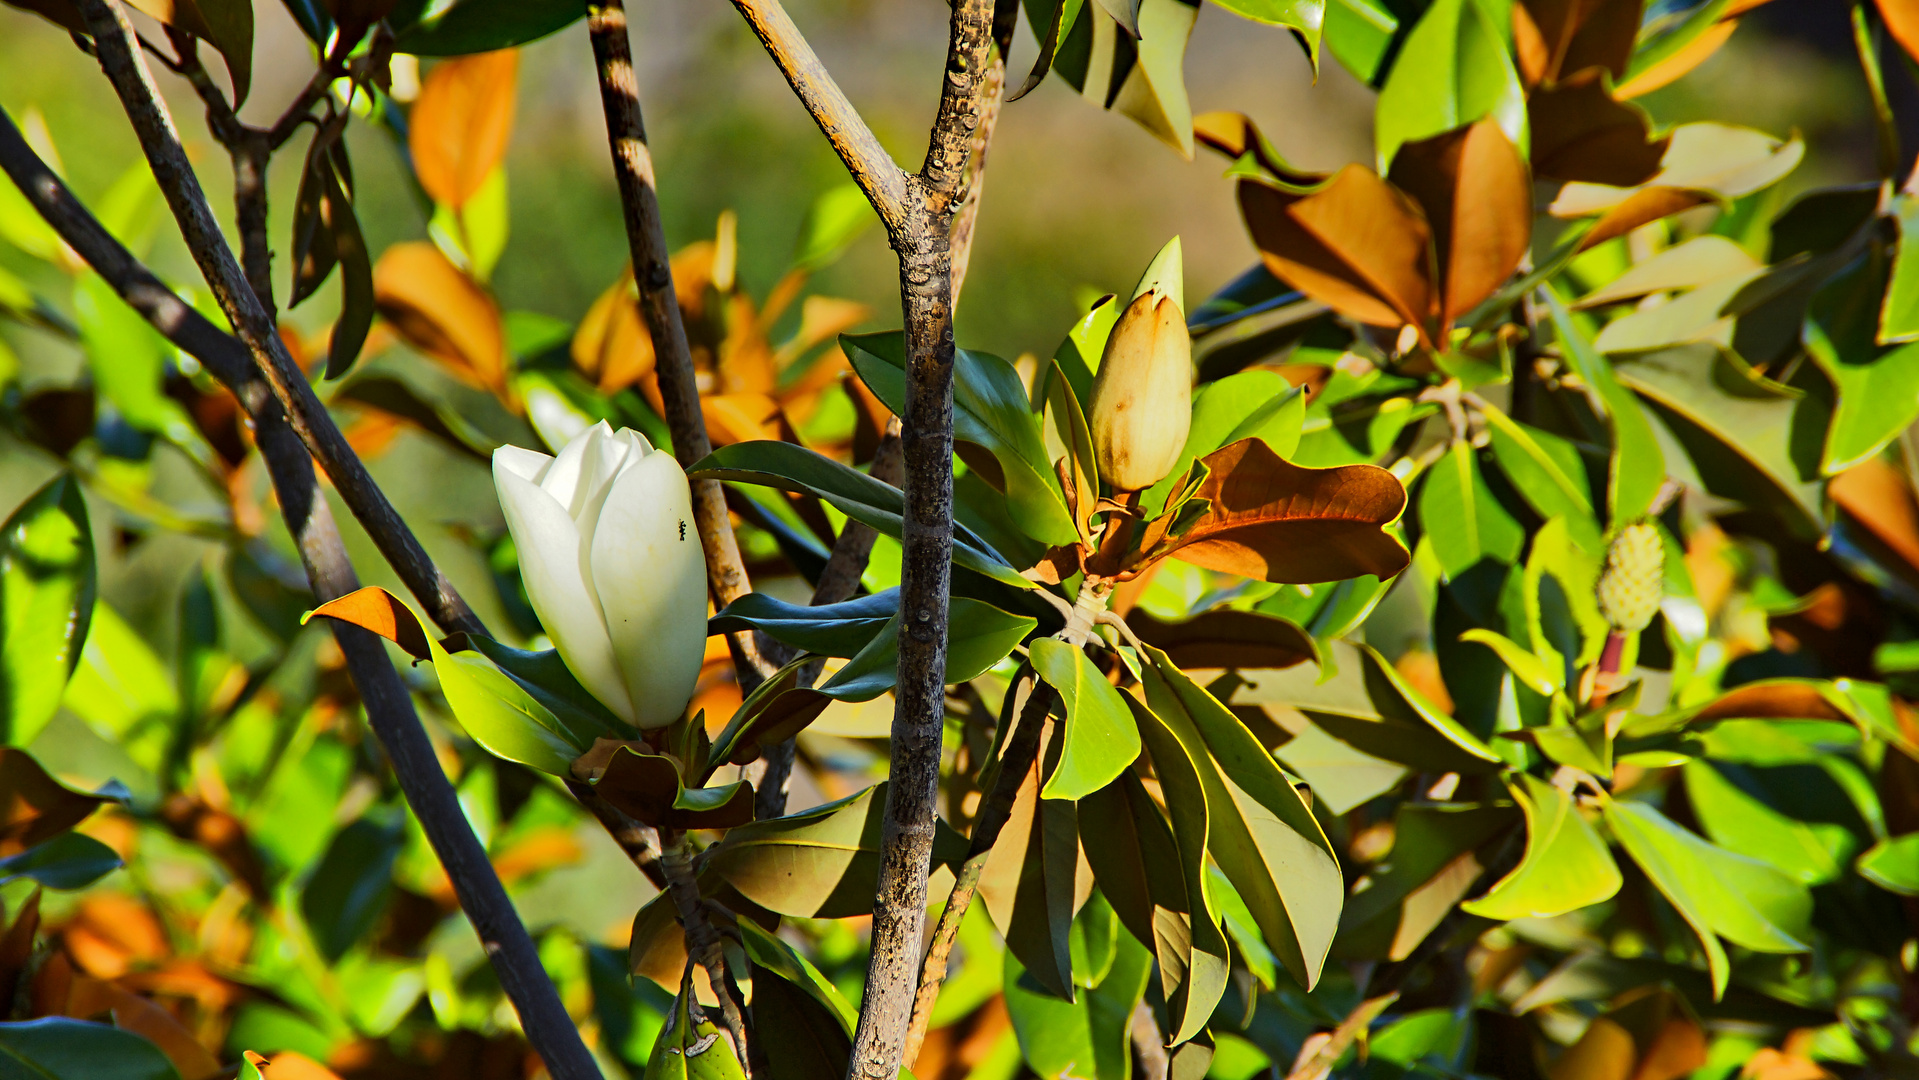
(872, 168)
(389, 707)
(117, 50)
(915, 210)
(974, 188)
(660, 307)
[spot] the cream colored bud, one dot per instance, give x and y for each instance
(1634, 579)
(1143, 396)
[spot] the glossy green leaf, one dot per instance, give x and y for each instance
(1089, 1038)
(1452, 70)
(1562, 618)
(1810, 852)
(460, 27)
(1537, 675)
(1893, 864)
(1193, 988)
(826, 630)
(1258, 828)
(978, 635)
(796, 1009)
(1360, 34)
(123, 690)
(1030, 885)
(551, 684)
(47, 586)
(1717, 892)
(1744, 443)
(819, 863)
(1547, 472)
(1409, 892)
(68, 861)
(1463, 519)
(1142, 77)
(1638, 465)
(1878, 388)
(853, 493)
(502, 716)
(1566, 866)
(1397, 699)
(991, 410)
(1101, 739)
(1899, 312)
(56, 1048)
(1248, 405)
(690, 1048)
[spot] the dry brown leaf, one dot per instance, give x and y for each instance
(612, 346)
(37, 807)
(1557, 37)
(1641, 208)
(1296, 254)
(459, 126)
(1604, 1052)
(1272, 520)
(111, 933)
(1224, 638)
(373, 608)
(1477, 197)
(442, 313)
(1771, 701)
(1582, 133)
(1877, 494)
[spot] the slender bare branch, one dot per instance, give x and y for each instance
(702, 940)
(389, 706)
(118, 52)
(660, 307)
(883, 181)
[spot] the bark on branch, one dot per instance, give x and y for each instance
(117, 49)
(389, 707)
(660, 307)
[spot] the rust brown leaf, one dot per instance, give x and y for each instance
(1581, 133)
(1226, 638)
(646, 786)
(1369, 221)
(459, 126)
(1556, 38)
(37, 807)
(373, 608)
(1696, 52)
(1477, 197)
(1274, 521)
(1772, 700)
(612, 345)
(1640, 208)
(441, 312)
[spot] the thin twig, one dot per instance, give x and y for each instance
(389, 706)
(872, 168)
(1022, 749)
(660, 306)
(116, 49)
(702, 940)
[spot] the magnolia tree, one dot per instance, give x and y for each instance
(1472, 642)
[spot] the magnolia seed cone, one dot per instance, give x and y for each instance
(1631, 585)
(1143, 396)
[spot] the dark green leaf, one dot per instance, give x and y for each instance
(1452, 70)
(826, 630)
(990, 410)
(853, 493)
(1548, 473)
(56, 1048)
(978, 635)
(68, 861)
(1087, 1038)
(475, 26)
(1459, 514)
(1638, 465)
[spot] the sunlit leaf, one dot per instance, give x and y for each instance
(441, 312)
(47, 587)
(1452, 70)
(1566, 866)
(1100, 737)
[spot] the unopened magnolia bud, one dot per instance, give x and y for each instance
(1143, 396)
(1633, 581)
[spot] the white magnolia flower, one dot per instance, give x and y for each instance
(613, 566)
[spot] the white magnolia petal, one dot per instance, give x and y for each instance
(562, 479)
(650, 574)
(526, 464)
(549, 546)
